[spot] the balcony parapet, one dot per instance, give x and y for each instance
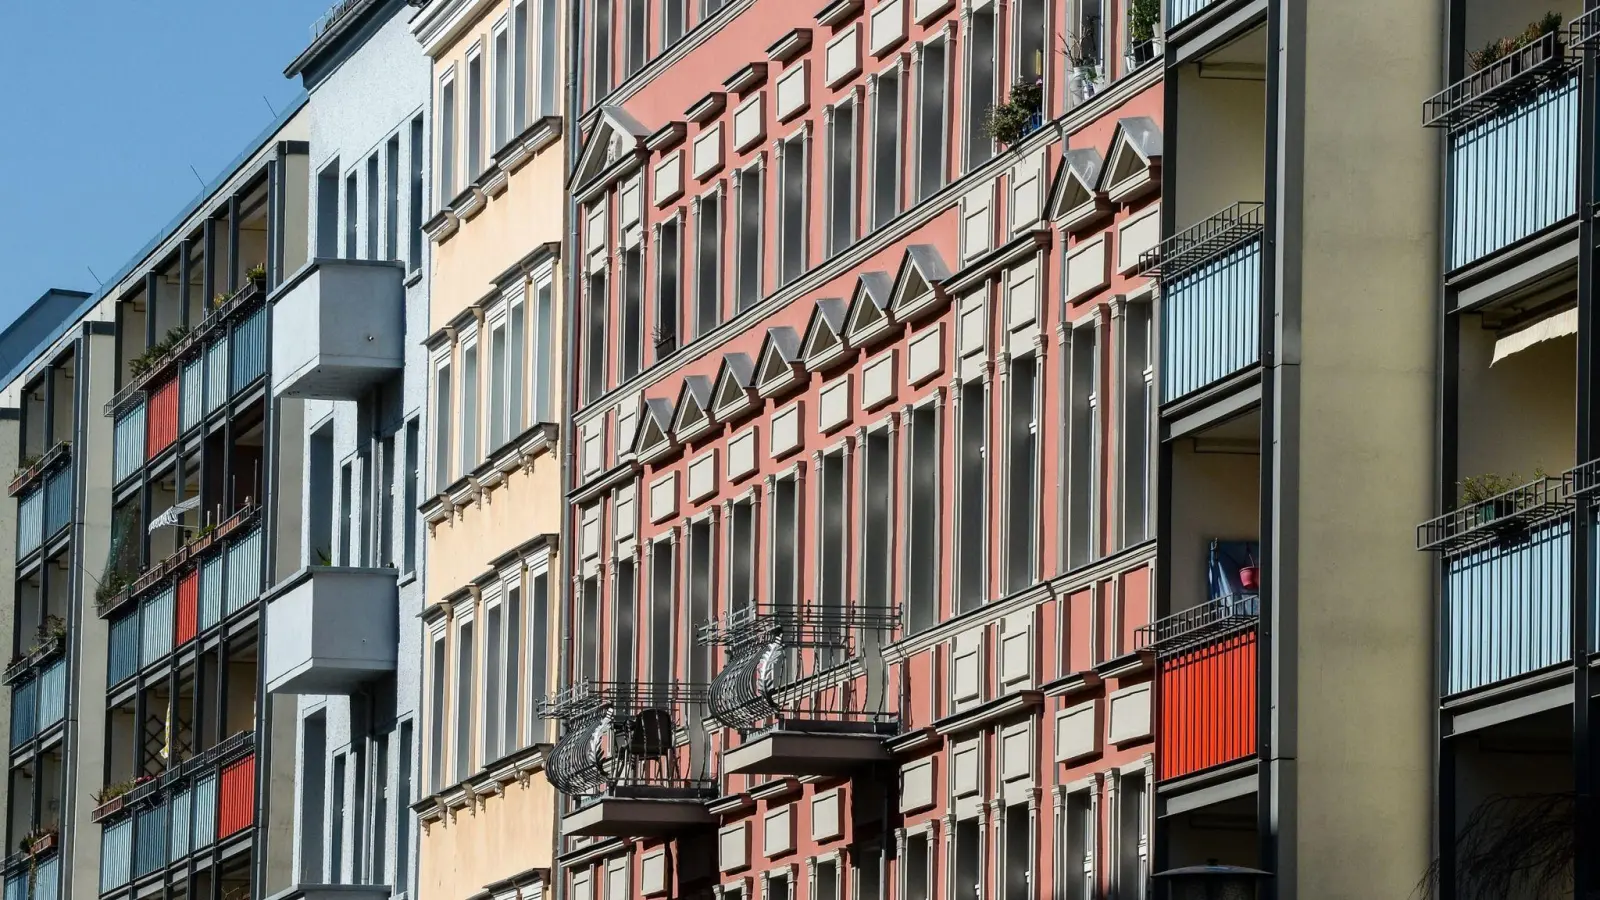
(52, 641)
(168, 363)
(31, 475)
(1523, 73)
(1203, 242)
(151, 790)
(1209, 621)
(159, 573)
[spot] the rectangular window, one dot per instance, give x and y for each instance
(338, 800)
(674, 21)
(463, 705)
(408, 511)
(377, 854)
(502, 87)
(358, 810)
(513, 664)
(702, 584)
(1133, 857)
(516, 369)
(1138, 401)
(469, 407)
(842, 178)
(638, 34)
(402, 805)
(624, 637)
(543, 350)
(549, 58)
(1083, 437)
(971, 473)
(475, 110)
(742, 555)
(833, 531)
(493, 671)
(778, 888)
(1023, 449)
(827, 880)
(441, 424)
(313, 792)
(391, 199)
(447, 142)
(932, 87)
(792, 209)
(368, 550)
(969, 860)
(539, 637)
(886, 172)
(877, 518)
(1033, 35)
(589, 622)
(786, 539)
(668, 278)
(981, 81)
(594, 350)
(632, 349)
(1019, 852)
(374, 195)
(497, 386)
(1091, 22)
(320, 514)
(346, 514)
(600, 53)
(328, 210)
(708, 264)
(916, 862)
(519, 68)
(352, 212)
(751, 226)
(436, 723)
(1078, 852)
(414, 257)
(385, 488)
(662, 575)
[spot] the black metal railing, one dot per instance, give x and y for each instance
(1521, 73)
(1583, 29)
(784, 661)
(1199, 624)
(630, 739)
(1204, 241)
(1518, 509)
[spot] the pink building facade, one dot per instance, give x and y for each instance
(861, 457)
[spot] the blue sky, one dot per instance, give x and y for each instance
(118, 99)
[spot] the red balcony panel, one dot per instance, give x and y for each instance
(161, 417)
(1208, 706)
(238, 797)
(188, 605)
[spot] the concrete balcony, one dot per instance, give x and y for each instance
(329, 629)
(340, 325)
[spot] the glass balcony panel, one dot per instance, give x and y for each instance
(57, 500)
(124, 650)
(182, 817)
(128, 443)
(24, 711)
(157, 628)
(243, 580)
(30, 523)
(211, 591)
(1213, 315)
(1514, 173)
(205, 812)
(1180, 10)
(191, 405)
(1508, 608)
(116, 855)
(47, 879)
(150, 840)
(17, 886)
(249, 350)
(53, 694)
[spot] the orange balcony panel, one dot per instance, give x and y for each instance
(238, 797)
(161, 417)
(188, 605)
(1208, 706)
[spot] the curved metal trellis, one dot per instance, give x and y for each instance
(622, 737)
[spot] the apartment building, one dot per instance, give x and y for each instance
(1514, 524)
(349, 386)
(491, 626)
(863, 452)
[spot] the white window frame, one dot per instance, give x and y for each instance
(897, 72)
(542, 376)
(479, 117)
(943, 171)
(976, 147)
(755, 170)
(852, 227)
(1032, 359)
(464, 616)
(933, 404)
(436, 773)
(467, 339)
(443, 436)
(887, 431)
(1137, 467)
(447, 139)
(983, 526)
(797, 474)
(502, 92)
(497, 422)
(489, 751)
(534, 566)
(663, 545)
(801, 139)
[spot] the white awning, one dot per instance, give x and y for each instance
(174, 513)
(1559, 325)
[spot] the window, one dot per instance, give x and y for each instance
(447, 141)
(1033, 31)
(384, 485)
(623, 633)
(543, 348)
(494, 665)
(877, 518)
(662, 575)
(436, 723)
(414, 260)
(792, 208)
(338, 799)
(981, 84)
(512, 656)
(539, 637)
(328, 210)
(402, 805)
(391, 199)
(441, 425)
(1082, 439)
(668, 256)
(931, 89)
(971, 473)
(827, 880)
(408, 511)
(589, 624)
(600, 53)
(516, 368)
(1138, 400)
(1133, 856)
(742, 555)
(1091, 23)
(778, 887)
(469, 406)
(842, 178)
(674, 21)
(1023, 450)
(502, 86)
(1018, 861)
(519, 68)
(638, 34)
(374, 194)
(751, 225)
(922, 512)
(594, 350)
(708, 263)
(915, 866)
(886, 150)
(1079, 849)
(366, 535)
(707, 7)
(346, 514)
(498, 375)
(833, 531)
(632, 349)
(313, 792)
(968, 860)
(463, 714)
(474, 115)
(549, 58)
(786, 539)
(378, 840)
(869, 874)
(319, 534)
(702, 584)
(352, 208)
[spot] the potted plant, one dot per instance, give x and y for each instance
(1484, 494)
(1144, 18)
(257, 275)
(664, 340)
(1483, 60)
(1019, 116)
(40, 840)
(109, 799)
(1084, 63)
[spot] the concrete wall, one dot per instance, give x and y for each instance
(1216, 495)
(1517, 414)
(1221, 138)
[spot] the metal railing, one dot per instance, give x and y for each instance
(1180, 11)
(205, 335)
(1204, 241)
(1508, 607)
(630, 739)
(1197, 625)
(781, 663)
(1509, 79)
(1514, 510)
(25, 479)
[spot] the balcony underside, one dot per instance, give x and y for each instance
(341, 329)
(639, 817)
(329, 630)
(805, 748)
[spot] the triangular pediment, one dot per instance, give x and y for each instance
(615, 135)
(734, 386)
(916, 284)
(654, 432)
(778, 362)
(1133, 166)
(1075, 198)
(869, 312)
(693, 415)
(824, 341)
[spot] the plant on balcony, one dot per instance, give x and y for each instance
(1144, 17)
(664, 340)
(39, 840)
(1018, 116)
(257, 273)
(1500, 48)
(1084, 62)
(112, 585)
(27, 462)
(1484, 493)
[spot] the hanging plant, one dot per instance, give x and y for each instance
(1019, 116)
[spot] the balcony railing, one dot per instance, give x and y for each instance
(29, 476)
(38, 704)
(1199, 624)
(202, 340)
(1207, 706)
(1210, 278)
(1180, 11)
(241, 541)
(44, 512)
(623, 739)
(783, 665)
(33, 877)
(1513, 148)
